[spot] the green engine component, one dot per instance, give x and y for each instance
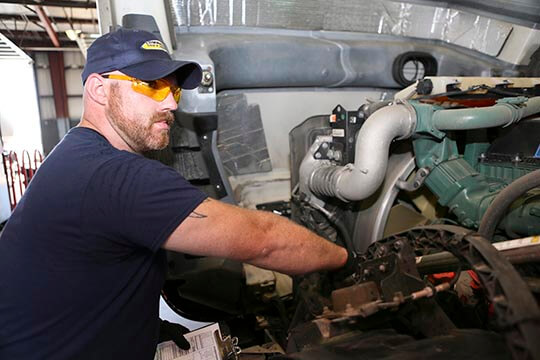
(506, 171)
(474, 151)
(465, 185)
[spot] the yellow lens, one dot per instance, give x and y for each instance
(161, 84)
(157, 90)
(177, 93)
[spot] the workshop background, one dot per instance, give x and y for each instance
(42, 53)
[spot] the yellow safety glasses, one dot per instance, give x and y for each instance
(156, 89)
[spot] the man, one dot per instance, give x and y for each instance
(82, 257)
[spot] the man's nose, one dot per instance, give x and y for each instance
(169, 103)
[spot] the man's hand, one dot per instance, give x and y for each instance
(174, 332)
(338, 276)
(351, 266)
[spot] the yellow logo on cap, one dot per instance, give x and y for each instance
(154, 45)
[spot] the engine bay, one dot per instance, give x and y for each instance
(420, 187)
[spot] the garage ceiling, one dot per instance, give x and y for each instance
(49, 25)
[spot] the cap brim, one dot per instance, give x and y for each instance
(188, 74)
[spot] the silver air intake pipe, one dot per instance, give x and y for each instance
(358, 181)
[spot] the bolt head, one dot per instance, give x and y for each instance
(207, 78)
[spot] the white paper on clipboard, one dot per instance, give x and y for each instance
(203, 346)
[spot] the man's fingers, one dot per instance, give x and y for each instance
(179, 328)
(177, 331)
(180, 340)
(174, 332)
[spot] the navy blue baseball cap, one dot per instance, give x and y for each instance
(139, 54)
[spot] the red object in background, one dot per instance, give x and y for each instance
(19, 173)
(474, 284)
(441, 277)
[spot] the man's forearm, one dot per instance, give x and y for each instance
(257, 237)
(290, 248)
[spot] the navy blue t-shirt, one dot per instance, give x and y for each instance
(81, 264)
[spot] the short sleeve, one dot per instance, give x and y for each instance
(134, 201)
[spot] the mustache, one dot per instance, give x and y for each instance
(168, 117)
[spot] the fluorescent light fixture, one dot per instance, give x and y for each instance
(73, 35)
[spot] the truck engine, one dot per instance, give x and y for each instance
(469, 199)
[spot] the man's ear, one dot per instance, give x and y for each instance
(96, 89)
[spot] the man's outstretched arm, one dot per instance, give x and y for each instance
(256, 237)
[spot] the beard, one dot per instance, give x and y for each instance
(138, 131)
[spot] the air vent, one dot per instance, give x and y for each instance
(9, 50)
(412, 66)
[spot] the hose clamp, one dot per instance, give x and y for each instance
(412, 118)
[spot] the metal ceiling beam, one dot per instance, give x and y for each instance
(58, 20)
(43, 48)
(47, 44)
(48, 26)
(39, 35)
(56, 3)
(37, 40)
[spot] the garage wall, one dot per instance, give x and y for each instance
(54, 127)
(19, 116)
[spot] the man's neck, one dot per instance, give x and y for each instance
(115, 141)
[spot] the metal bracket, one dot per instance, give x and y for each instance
(206, 129)
(416, 182)
(227, 346)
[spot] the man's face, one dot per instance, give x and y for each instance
(137, 119)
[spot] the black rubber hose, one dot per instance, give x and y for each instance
(340, 225)
(498, 208)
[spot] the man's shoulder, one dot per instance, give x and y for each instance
(83, 145)
(132, 162)
(128, 170)
(81, 142)
(86, 154)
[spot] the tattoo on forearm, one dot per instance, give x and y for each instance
(196, 215)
